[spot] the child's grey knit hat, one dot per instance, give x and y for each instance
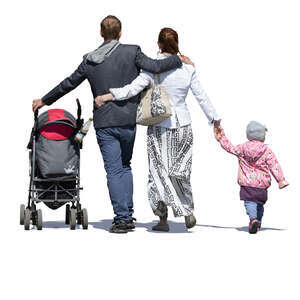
(256, 131)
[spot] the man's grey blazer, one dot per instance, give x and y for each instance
(119, 69)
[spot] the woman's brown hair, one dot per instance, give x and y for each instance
(168, 40)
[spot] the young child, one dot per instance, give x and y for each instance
(256, 161)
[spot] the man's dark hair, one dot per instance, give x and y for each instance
(111, 27)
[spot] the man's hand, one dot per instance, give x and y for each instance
(37, 104)
(100, 100)
(186, 60)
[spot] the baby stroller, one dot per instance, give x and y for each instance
(54, 158)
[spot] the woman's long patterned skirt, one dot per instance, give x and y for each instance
(170, 162)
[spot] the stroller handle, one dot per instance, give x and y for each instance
(36, 113)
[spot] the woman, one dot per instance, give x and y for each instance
(169, 143)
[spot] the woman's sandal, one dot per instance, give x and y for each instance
(162, 212)
(161, 227)
(190, 221)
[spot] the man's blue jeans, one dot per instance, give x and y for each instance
(254, 210)
(116, 146)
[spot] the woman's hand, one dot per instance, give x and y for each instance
(100, 100)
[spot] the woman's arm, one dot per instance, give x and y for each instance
(203, 99)
(127, 91)
(134, 88)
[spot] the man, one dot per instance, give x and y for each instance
(113, 65)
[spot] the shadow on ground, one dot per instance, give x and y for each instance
(243, 228)
(175, 227)
(55, 224)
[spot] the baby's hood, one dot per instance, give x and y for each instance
(253, 150)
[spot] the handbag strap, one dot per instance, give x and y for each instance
(157, 76)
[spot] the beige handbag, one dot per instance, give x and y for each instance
(155, 105)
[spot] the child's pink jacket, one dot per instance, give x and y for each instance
(256, 161)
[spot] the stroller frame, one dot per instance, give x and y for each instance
(74, 212)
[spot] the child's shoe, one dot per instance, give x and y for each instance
(259, 226)
(253, 226)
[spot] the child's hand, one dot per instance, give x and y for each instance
(283, 184)
(218, 131)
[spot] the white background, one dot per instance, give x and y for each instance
(247, 57)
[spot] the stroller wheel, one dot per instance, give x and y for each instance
(27, 217)
(67, 221)
(84, 219)
(72, 218)
(33, 217)
(79, 215)
(39, 219)
(22, 214)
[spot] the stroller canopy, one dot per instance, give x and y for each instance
(56, 124)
